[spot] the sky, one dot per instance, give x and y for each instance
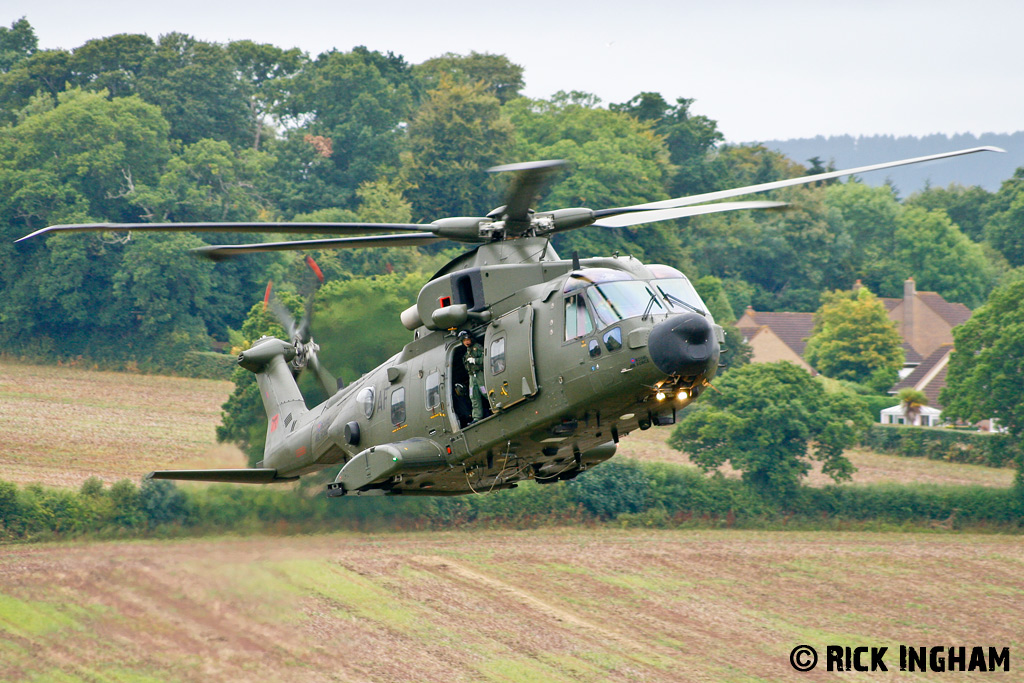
(763, 70)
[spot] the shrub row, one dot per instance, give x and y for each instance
(622, 492)
(978, 448)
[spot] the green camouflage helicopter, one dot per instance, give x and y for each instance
(575, 353)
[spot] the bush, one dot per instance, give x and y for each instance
(978, 448)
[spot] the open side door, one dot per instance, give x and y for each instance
(509, 374)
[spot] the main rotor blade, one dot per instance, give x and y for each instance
(803, 180)
(219, 252)
(530, 179)
(322, 228)
(640, 216)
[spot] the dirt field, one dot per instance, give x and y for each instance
(59, 426)
(555, 605)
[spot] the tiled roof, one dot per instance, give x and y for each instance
(912, 356)
(792, 328)
(921, 372)
(954, 314)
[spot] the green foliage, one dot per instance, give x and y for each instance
(782, 259)
(976, 448)
(1004, 229)
(194, 84)
(929, 248)
(352, 106)
(499, 76)
(762, 421)
(620, 493)
(967, 207)
(351, 347)
(854, 339)
(16, 43)
(613, 160)
(691, 140)
(983, 376)
(614, 488)
(208, 181)
(457, 134)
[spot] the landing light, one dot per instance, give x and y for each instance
(660, 396)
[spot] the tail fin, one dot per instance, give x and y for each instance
(268, 358)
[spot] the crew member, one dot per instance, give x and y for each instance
(474, 362)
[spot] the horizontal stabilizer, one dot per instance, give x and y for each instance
(261, 475)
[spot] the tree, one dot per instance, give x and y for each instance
(265, 72)
(967, 207)
(764, 419)
(735, 351)
(911, 400)
(498, 76)
(985, 371)
(613, 160)
(787, 256)
(457, 134)
(1005, 229)
(932, 250)
(691, 140)
(16, 43)
(351, 107)
(195, 85)
(854, 339)
(113, 64)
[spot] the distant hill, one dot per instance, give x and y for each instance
(846, 151)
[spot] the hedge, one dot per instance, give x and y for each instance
(977, 448)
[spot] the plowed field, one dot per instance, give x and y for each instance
(554, 605)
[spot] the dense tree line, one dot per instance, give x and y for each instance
(129, 128)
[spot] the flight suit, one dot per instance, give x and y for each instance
(474, 362)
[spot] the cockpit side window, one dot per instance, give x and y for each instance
(577, 319)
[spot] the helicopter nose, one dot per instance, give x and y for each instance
(683, 345)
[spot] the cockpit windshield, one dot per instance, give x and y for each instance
(615, 301)
(677, 289)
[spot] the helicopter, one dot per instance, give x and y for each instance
(575, 353)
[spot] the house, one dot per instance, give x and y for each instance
(925, 320)
(927, 416)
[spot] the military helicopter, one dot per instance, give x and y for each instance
(576, 353)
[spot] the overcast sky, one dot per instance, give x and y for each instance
(762, 69)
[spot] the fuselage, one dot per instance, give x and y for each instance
(576, 356)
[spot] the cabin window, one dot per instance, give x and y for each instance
(615, 301)
(595, 348)
(433, 390)
(398, 406)
(498, 356)
(577, 320)
(365, 400)
(613, 339)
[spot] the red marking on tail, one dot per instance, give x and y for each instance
(266, 297)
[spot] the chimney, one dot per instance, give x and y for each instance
(909, 306)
